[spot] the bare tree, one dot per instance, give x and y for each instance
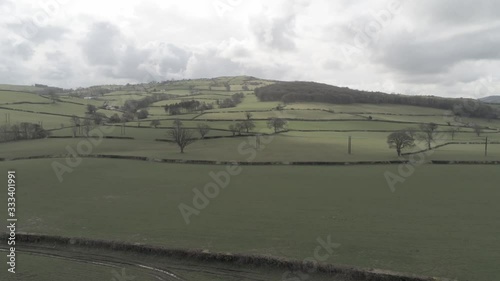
(233, 129)
(91, 109)
(428, 133)
(276, 123)
(75, 121)
(453, 131)
(16, 132)
(203, 129)
(52, 96)
(400, 140)
(239, 127)
(236, 128)
(98, 118)
(155, 123)
(248, 125)
(87, 126)
(477, 129)
(180, 135)
(248, 115)
(4, 133)
(25, 129)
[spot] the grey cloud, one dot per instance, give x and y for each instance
(58, 71)
(174, 59)
(332, 64)
(412, 56)
(276, 33)
(102, 44)
(23, 50)
(12, 72)
(35, 33)
(129, 62)
(112, 55)
(12, 49)
(455, 12)
(57, 67)
(54, 56)
(209, 64)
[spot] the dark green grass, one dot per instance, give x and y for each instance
(41, 268)
(439, 222)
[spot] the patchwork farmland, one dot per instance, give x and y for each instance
(266, 178)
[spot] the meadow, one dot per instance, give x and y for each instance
(426, 226)
(436, 222)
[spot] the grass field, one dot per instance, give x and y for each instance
(425, 227)
(49, 121)
(79, 264)
(10, 97)
(42, 268)
(440, 221)
(18, 88)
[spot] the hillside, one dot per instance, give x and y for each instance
(491, 99)
(86, 155)
(290, 92)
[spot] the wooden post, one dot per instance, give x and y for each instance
(349, 145)
(486, 147)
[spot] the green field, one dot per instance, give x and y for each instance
(11, 97)
(425, 227)
(79, 264)
(438, 221)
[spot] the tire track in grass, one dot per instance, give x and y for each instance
(114, 262)
(100, 261)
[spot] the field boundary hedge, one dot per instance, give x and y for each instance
(41, 112)
(240, 163)
(449, 143)
(83, 137)
(350, 273)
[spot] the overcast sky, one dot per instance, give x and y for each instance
(446, 48)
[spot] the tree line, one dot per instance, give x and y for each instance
(183, 136)
(290, 92)
(426, 132)
(187, 106)
(22, 131)
(233, 101)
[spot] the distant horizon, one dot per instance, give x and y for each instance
(258, 78)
